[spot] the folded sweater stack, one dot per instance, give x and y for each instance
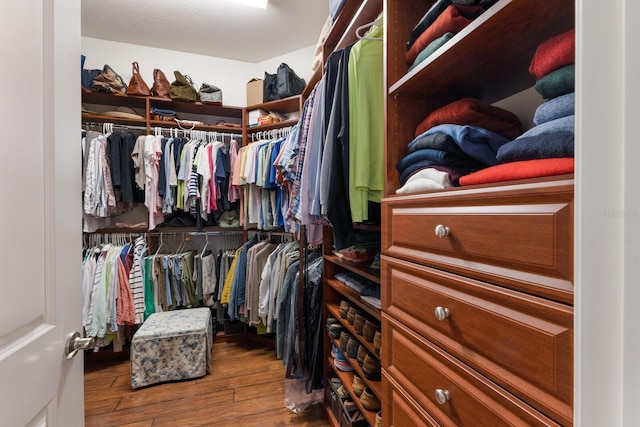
(457, 139)
(441, 22)
(549, 144)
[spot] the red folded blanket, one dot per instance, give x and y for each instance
(519, 170)
(553, 54)
(453, 19)
(474, 112)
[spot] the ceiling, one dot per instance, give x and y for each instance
(215, 28)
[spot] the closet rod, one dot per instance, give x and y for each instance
(115, 125)
(196, 233)
(231, 131)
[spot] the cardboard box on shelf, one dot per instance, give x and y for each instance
(254, 92)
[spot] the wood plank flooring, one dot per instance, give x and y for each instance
(245, 388)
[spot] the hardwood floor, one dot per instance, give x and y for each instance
(245, 388)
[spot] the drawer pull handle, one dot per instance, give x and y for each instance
(441, 313)
(442, 231)
(442, 396)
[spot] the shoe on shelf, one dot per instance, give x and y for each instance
(377, 341)
(351, 314)
(369, 330)
(352, 347)
(332, 321)
(371, 367)
(378, 419)
(358, 385)
(362, 352)
(358, 323)
(342, 363)
(369, 400)
(335, 330)
(334, 350)
(344, 339)
(344, 308)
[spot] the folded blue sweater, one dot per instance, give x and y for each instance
(555, 108)
(477, 142)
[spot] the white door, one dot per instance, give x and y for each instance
(40, 222)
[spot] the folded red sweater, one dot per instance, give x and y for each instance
(474, 112)
(554, 53)
(519, 170)
(453, 19)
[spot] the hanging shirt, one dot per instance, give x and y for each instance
(366, 129)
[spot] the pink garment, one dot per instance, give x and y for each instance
(152, 200)
(234, 189)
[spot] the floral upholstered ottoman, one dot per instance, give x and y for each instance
(170, 346)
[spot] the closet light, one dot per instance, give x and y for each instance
(262, 4)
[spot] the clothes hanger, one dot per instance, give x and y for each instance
(377, 22)
(205, 245)
(161, 243)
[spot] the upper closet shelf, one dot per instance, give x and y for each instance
(490, 58)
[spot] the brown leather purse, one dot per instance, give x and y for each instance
(137, 86)
(161, 86)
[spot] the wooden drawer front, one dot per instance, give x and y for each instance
(401, 410)
(519, 240)
(420, 368)
(522, 342)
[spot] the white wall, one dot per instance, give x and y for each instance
(230, 76)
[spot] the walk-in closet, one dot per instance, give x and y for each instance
(335, 213)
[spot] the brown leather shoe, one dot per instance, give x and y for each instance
(358, 323)
(362, 352)
(344, 339)
(344, 308)
(358, 385)
(371, 367)
(352, 347)
(369, 400)
(369, 330)
(351, 314)
(377, 341)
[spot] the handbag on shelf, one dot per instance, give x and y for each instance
(109, 81)
(210, 94)
(269, 87)
(161, 86)
(289, 84)
(137, 85)
(182, 88)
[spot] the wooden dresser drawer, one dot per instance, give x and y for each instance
(522, 342)
(400, 410)
(519, 236)
(422, 370)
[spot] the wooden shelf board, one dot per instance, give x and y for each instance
(354, 297)
(357, 267)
